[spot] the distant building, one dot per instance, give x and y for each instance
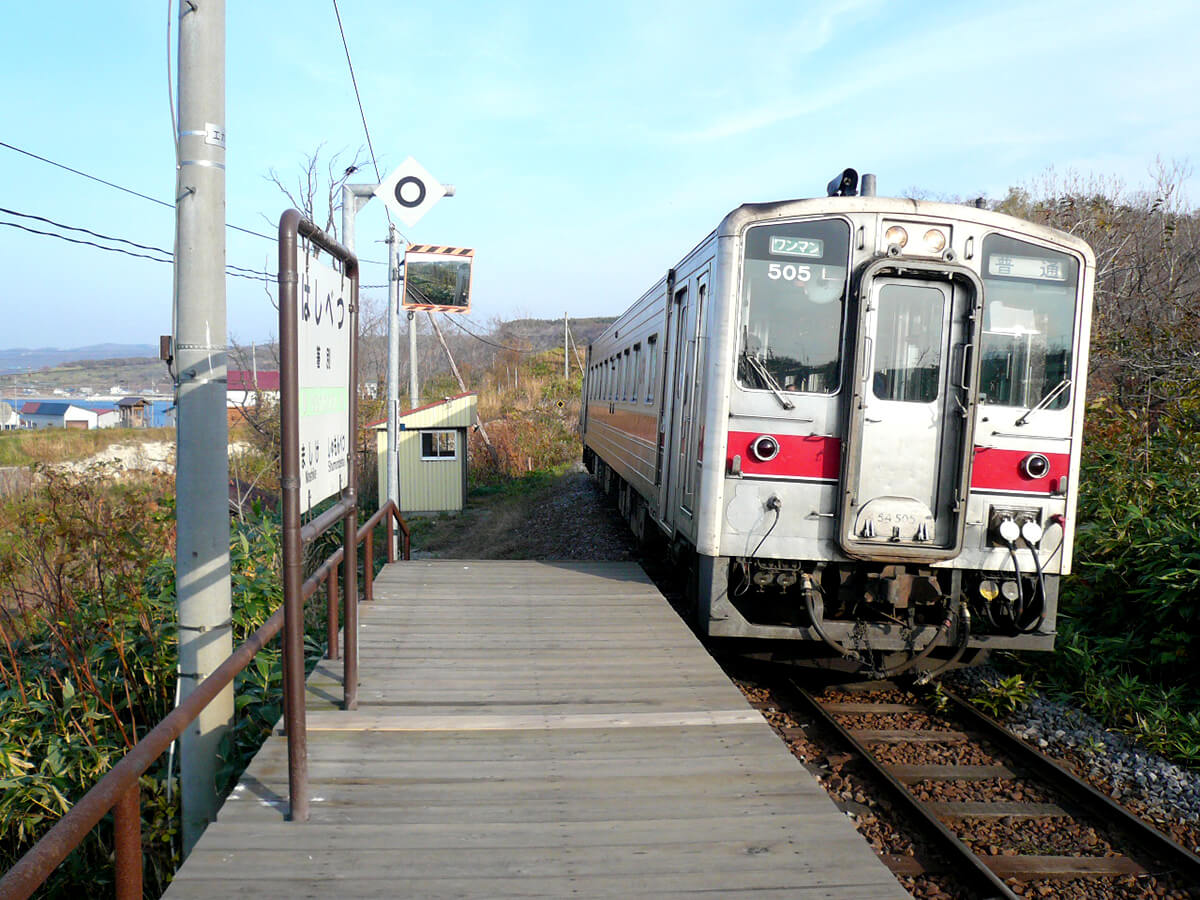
(10, 419)
(134, 412)
(245, 386)
(58, 414)
(431, 444)
(65, 414)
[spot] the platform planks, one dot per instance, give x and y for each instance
(532, 729)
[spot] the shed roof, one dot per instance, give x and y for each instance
(452, 412)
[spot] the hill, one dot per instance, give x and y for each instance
(23, 359)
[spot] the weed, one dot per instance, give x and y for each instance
(1004, 697)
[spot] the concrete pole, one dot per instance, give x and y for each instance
(202, 582)
(393, 364)
(566, 347)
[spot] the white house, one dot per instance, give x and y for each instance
(10, 419)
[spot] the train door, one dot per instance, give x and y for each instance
(689, 444)
(673, 406)
(588, 388)
(909, 435)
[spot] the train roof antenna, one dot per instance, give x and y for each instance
(844, 185)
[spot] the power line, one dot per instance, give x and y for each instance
(361, 112)
(166, 255)
(122, 188)
(103, 237)
(484, 340)
(357, 96)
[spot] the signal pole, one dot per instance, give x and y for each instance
(202, 582)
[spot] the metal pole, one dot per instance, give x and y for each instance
(202, 436)
(412, 360)
(294, 713)
(354, 198)
(393, 363)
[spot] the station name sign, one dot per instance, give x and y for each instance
(323, 377)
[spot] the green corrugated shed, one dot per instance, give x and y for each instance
(432, 455)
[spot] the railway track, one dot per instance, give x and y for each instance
(997, 817)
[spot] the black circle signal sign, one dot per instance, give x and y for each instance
(409, 191)
(413, 182)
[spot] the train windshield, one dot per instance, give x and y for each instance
(793, 291)
(1028, 323)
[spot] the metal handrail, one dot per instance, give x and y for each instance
(118, 790)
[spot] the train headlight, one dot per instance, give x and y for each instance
(1035, 465)
(1010, 590)
(764, 448)
(988, 589)
(896, 235)
(934, 240)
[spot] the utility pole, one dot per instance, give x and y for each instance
(393, 375)
(202, 582)
(566, 347)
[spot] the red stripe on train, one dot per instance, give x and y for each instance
(800, 456)
(1000, 470)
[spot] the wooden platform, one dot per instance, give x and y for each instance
(532, 729)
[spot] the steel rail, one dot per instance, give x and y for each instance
(118, 791)
(974, 868)
(1153, 841)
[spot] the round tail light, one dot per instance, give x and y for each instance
(1035, 465)
(764, 448)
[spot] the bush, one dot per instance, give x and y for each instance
(1127, 645)
(1137, 583)
(88, 659)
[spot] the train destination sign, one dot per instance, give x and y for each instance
(438, 278)
(784, 245)
(1026, 267)
(323, 318)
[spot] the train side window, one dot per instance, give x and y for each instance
(635, 368)
(651, 365)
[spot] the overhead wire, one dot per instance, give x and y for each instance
(119, 187)
(164, 255)
(484, 340)
(362, 112)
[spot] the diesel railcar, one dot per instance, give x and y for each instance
(856, 423)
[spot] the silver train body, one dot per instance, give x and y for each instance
(856, 421)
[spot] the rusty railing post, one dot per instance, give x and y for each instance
(331, 614)
(293, 543)
(369, 566)
(127, 822)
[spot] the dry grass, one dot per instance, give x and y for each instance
(47, 446)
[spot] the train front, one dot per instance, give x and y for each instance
(905, 409)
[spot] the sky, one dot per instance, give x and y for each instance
(591, 145)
